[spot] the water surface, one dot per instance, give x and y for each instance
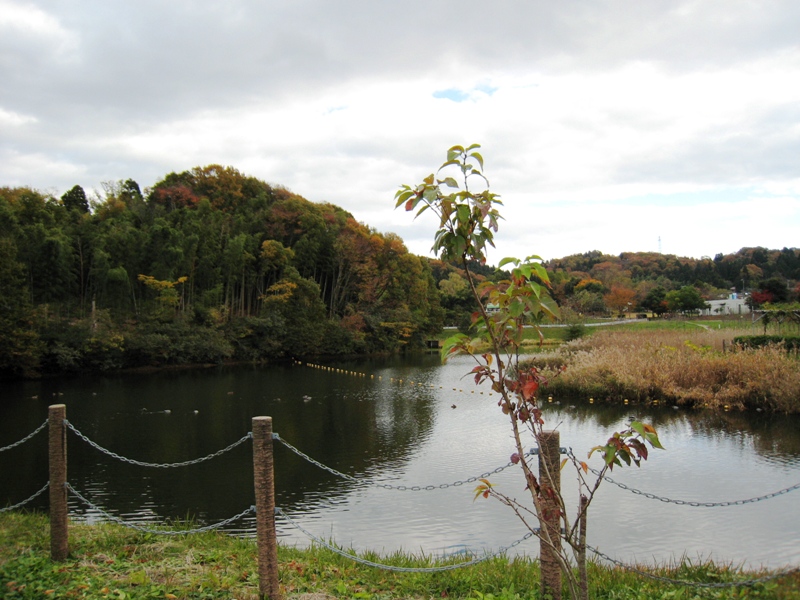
(405, 422)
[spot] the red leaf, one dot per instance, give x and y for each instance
(529, 389)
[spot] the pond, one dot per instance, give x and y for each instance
(403, 421)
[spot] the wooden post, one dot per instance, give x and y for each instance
(584, 576)
(550, 479)
(264, 480)
(59, 534)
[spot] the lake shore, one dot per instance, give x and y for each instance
(110, 561)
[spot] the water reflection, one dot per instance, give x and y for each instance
(434, 427)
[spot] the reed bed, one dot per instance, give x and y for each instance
(694, 367)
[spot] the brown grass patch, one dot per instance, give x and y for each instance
(683, 367)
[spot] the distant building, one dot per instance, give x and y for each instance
(732, 305)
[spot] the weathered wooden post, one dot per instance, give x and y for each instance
(550, 477)
(584, 576)
(264, 480)
(59, 534)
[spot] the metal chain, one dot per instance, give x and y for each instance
(370, 563)
(25, 439)
(388, 486)
(697, 584)
(24, 502)
(186, 463)
(693, 502)
(143, 529)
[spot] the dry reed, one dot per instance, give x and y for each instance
(697, 368)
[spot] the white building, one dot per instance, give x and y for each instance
(732, 305)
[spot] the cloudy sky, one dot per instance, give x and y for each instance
(605, 124)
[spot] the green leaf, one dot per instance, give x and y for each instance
(454, 152)
(403, 195)
(463, 213)
(653, 439)
(477, 157)
(451, 346)
(550, 306)
(524, 270)
(422, 210)
(450, 182)
(516, 308)
(541, 272)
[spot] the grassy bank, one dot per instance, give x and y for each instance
(108, 561)
(686, 365)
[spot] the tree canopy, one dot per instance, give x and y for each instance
(211, 264)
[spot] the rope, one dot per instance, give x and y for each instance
(693, 502)
(697, 584)
(24, 502)
(370, 563)
(143, 529)
(25, 439)
(388, 486)
(156, 465)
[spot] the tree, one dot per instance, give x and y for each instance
(75, 199)
(467, 223)
(685, 300)
(20, 348)
(620, 299)
(776, 287)
(655, 301)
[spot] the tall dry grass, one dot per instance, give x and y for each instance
(682, 367)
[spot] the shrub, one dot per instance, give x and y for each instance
(760, 341)
(575, 331)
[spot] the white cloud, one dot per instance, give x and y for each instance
(26, 23)
(13, 119)
(602, 125)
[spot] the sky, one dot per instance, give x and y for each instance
(608, 125)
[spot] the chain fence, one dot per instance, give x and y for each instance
(389, 486)
(25, 439)
(692, 503)
(27, 500)
(167, 532)
(139, 463)
(397, 569)
(351, 556)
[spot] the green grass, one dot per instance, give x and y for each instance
(109, 561)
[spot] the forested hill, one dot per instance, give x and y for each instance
(206, 266)
(595, 282)
(212, 265)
